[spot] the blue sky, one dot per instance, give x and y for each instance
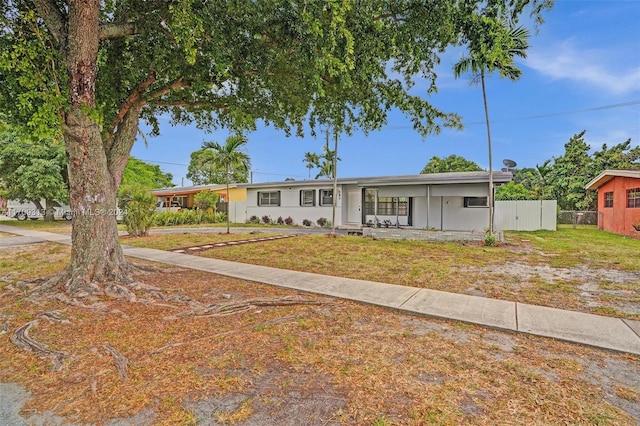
(582, 73)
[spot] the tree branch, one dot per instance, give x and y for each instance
(110, 30)
(132, 100)
(186, 104)
(53, 17)
(174, 85)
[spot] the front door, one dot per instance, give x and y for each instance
(353, 207)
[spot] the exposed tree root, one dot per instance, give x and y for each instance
(232, 308)
(120, 360)
(21, 339)
(90, 295)
(77, 303)
(54, 316)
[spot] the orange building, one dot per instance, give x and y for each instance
(618, 201)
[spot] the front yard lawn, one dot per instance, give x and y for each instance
(584, 270)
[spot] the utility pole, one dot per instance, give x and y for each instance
(335, 179)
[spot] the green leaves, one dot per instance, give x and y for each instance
(452, 163)
(147, 175)
(32, 81)
(492, 46)
(32, 170)
(228, 160)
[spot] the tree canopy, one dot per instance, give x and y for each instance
(204, 169)
(33, 170)
(147, 175)
(564, 178)
(90, 70)
(514, 191)
(452, 163)
(571, 172)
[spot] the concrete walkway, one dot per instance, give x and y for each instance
(594, 330)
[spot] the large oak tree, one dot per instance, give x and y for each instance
(90, 70)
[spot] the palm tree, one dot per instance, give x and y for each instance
(327, 163)
(493, 49)
(230, 157)
(312, 159)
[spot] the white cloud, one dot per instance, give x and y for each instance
(592, 67)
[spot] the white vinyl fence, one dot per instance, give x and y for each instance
(526, 215)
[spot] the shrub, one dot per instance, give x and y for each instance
(490, 241)
(280, 221)
(188, 217)
(219, 217)
(253, 219)
(266, 219)
(138, 204)
(321, 222)
(288, 220)
(307, 222)
(206, 200)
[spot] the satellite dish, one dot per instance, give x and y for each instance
(509, 163)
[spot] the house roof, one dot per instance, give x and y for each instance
(607, 175)
(181, 190)
(421, 179)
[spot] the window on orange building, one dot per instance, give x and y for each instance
(633, 198)
(608, 199)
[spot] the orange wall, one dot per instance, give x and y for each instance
(619, 218)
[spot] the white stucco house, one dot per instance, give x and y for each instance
(442, 201)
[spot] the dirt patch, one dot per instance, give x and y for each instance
(580, 288)
(276, 397)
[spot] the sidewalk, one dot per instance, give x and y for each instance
(594, 330)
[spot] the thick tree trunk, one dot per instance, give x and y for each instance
(49, 212)
(96, 255)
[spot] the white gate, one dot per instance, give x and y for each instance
(525, 215)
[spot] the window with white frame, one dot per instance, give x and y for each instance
(307, 197)
(475, 202)
(326, 197)
(268, 198)
(633, 198)
(608, 199)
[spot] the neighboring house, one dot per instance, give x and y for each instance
(618, 201)
(442, 201)
(184, 197)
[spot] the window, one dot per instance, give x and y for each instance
(387, 206)
(326, 197)
(271, 198)
(608, 199)
(307, 197)
(633, 198)
(370, 201)
(475, 202)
